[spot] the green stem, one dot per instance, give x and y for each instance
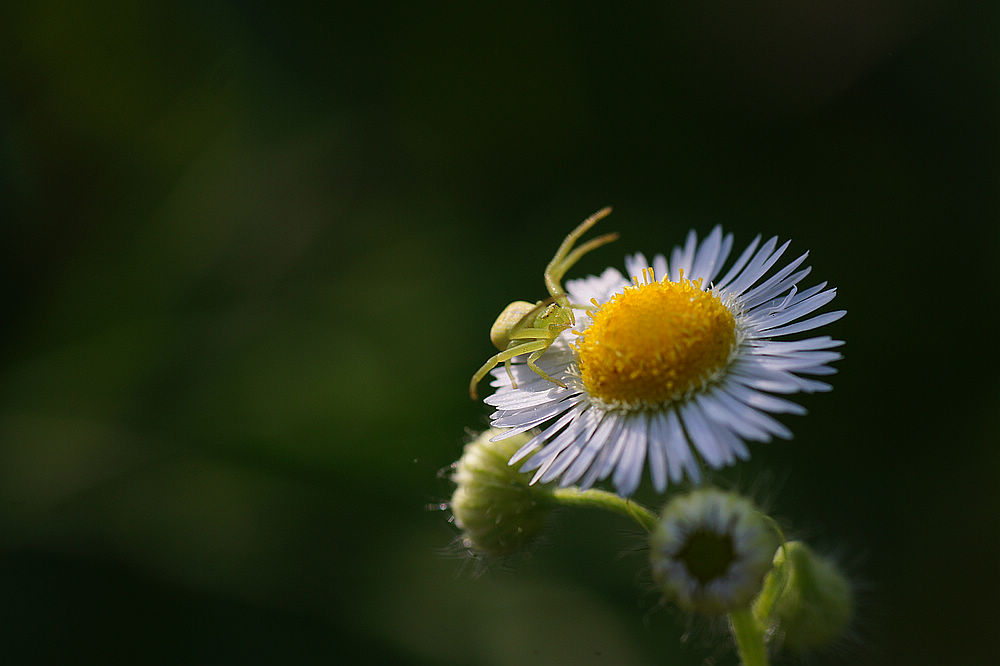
(749, 638)
(601, 499)
(769, 596)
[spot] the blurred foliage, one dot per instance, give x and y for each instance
(251, 253)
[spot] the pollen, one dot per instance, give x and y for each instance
(655, 343)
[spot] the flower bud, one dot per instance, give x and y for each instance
(494, 505)
(710, 551)
(812, 600)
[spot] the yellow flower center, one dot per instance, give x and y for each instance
(655, 343)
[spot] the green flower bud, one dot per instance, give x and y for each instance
(494, 505)
(810, 601)
(710, 551)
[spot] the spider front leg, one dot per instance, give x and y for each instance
(504, 357)
(564, 258)
(591, 308)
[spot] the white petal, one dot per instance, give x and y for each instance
(635, 263)
(608, 457)
(808, 324)
(728, 410)
(740, 263)
(558, 464)
(657, 449)
(701, 435)
(818, 370)
(758, 266)
(794, 363)
(538, 440)
(559, 443)
(776, 296)
(732, 443)
(797, 311)
(788, 300)
(763, 401)
(707, 255)
(660, 267)
(679, 454)
(580, 291)
(783, 347)
(521, 399)
(776, 284)
(603, 437)
(774, 381)
(629, 470)
(681, 259)
(727, 246)
(761, 419)
(534, 416)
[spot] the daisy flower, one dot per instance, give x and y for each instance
(675, 368)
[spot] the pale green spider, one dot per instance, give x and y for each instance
(526, 328)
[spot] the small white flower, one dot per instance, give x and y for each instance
(672, 371)
(710, 551)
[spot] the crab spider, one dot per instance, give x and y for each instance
(526, 328)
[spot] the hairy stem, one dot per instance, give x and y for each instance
(749, 638)
(601, 499)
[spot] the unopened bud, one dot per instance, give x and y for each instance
(811, 601)
(494, 506)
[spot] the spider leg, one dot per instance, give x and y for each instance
(530, 334)
(580, 306)
(480, 373)
(564, 258)
(510, 375)
(544, 375)
(574, 235)
(504, 357)
(575, 255)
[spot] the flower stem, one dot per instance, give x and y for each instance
(601, 499)
(769, 596)
(749, 638)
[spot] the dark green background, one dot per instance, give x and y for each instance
(250, 256)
